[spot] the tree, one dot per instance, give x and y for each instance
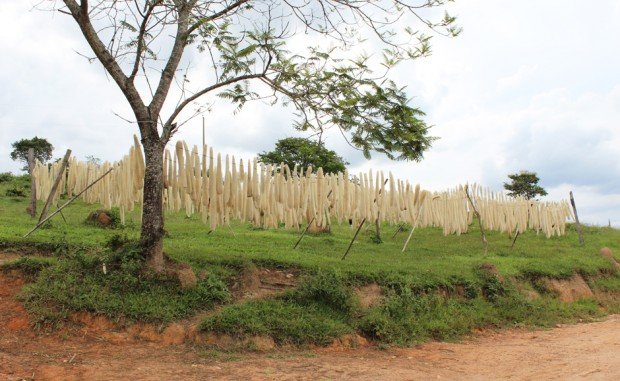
(42, 150)
(141, 45)
(303, 152)
(524, 184)
(91, 159)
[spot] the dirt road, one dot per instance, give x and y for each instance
(585, 351)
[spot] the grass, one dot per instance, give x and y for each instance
(409, 318)
(323, 306)
(287, 323)
(430, 259)
(115, 284)
(320, 310)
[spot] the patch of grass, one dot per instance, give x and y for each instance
(29, 265)
(317, 312)
(407, 318)
(123, 289)
(410, 319)
(285, 321)
(328, 288)
(609, 283)
(431, 260)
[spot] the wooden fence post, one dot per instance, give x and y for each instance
(61, 173)
(484, 236)
(577, 224)
(32, 209)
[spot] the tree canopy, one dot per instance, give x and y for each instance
(42, 150)
(524, 184)
(142, 41)
(303, 152)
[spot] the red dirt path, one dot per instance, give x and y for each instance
(585, 351)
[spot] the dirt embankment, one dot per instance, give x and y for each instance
(586, 351)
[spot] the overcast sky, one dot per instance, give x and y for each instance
(529, 85)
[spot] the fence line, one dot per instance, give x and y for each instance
(221, 189)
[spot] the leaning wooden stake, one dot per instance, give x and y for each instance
(59, 176)
(515, 239)
(307, 227)
(484, 237)
(360, 227)
(398, 230)
(415, 223)
(577, 224)
(354, 237)
(67, 203)
(32, 209)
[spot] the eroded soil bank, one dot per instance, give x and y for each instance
(583, 351)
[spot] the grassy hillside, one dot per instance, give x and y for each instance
(432, 262)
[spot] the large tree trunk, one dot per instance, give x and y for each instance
(152, 233)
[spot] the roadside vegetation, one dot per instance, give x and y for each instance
(440, 288)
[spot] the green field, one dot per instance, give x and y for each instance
(411, 312)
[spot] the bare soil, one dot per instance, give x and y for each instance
(93, 352)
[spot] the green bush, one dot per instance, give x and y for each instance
(16, 191)
(5, 177)
(327, 287)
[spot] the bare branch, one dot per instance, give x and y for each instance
(174, 59)
(140, 39)
(170, 122)
(80, 14)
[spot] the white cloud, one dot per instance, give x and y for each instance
(517, 78)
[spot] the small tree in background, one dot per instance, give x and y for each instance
(90, 159)
(42, 150)
(525, 184)
(303, 153)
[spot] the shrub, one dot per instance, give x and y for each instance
(328, 288)
(5, 177)
(15, 192)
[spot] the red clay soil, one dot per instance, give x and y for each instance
(585, 351)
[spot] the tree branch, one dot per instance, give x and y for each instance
(169, 125)
(80, 14)
(140, 43)
(216, 15)
(174, 59)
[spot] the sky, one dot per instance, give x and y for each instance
(528, 85)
